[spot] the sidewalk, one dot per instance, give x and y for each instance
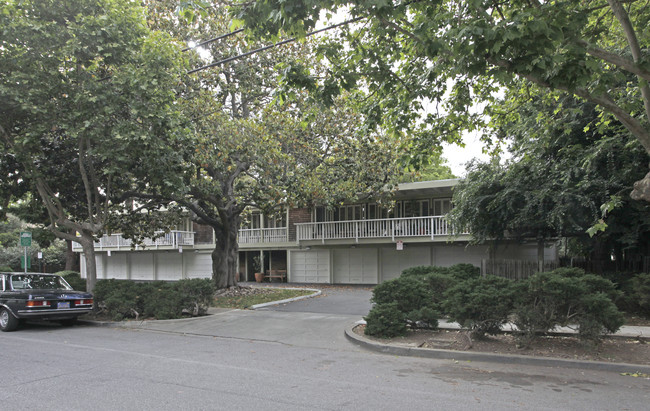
(436, 353)
(626, 331)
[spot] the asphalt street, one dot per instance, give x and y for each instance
(274, 359)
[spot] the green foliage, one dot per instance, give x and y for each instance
(481, 304)
(419, 270)
(74, 279)
(385, 320)
(253, 147)
(6, 268)
(122, 299)
(265, 296)
(560, 181)
(88, 100)
(550, 299)
(409, 293)
(418, 295)
(637, 295)
(456, 55)
(460, 271)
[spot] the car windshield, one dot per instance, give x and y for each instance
(37, 281)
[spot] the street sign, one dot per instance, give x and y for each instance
(400, 245)
(25, 239)
(22, 262)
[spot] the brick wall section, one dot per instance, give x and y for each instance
(202, 234)
(297, 215)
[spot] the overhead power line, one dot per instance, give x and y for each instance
(240, 56)
(223, 36)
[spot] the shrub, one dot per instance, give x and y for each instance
(158, 299)
(419, 270)
(6, 269)
(554, 298)
(458, 271)
(74, 279)
(464, 271)
(481, 304)
(385, 320)
(197, 295)
(409, 293)
(639, 294)
(412, 297)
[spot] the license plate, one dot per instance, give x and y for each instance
(64, 304)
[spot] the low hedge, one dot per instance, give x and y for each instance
(161, 300)
(483, 304)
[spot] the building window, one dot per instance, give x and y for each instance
(441, 206)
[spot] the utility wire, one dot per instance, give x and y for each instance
(233, 58)
(223, 36)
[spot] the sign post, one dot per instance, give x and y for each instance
(25, 241)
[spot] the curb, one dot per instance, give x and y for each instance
(130, 324)
(489, 357)
(288, 300)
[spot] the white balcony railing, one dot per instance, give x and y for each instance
(263, 235)
(383, 228)
(173, 239)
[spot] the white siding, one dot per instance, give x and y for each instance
(169, 266)
(142, 266)
(116, 266)
(198, 265)
(447, 255)
(355, 266)
(311, 266)
(394, 261)
(526, 251)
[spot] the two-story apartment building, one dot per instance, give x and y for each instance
(360, 243)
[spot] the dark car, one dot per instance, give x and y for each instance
(40, 297)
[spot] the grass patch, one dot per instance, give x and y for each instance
(263, 296)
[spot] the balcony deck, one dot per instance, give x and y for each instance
(433, 228)
(387, 228)
(175, 239)
(172, 240)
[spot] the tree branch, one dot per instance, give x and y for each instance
(616, 60)
(633, 42)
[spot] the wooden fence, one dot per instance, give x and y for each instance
(520, 269)
(514, 269)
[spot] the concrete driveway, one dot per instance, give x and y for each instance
(335, 299)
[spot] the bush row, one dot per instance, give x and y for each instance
(564, 297)
(122, 299)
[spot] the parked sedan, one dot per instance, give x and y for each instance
(39, 296)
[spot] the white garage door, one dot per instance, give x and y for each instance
(311, 266)
(394, 261)
(169, 266)
(116, 266)
(355, 266)
(447, 255)
(198, 265)
(142, 266)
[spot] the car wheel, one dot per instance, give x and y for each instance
(7, 320)
(68, 322)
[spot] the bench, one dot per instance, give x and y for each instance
(281, 274)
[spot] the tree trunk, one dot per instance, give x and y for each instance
(88, 246)
(225, 254)
(540, 254)
(71, 261)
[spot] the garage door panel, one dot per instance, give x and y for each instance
(395, 261)
(310, 266)
(355, 266)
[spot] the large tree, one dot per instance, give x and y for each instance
(87, 100)
(565, 164)
(250, 149)
(453, 54)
